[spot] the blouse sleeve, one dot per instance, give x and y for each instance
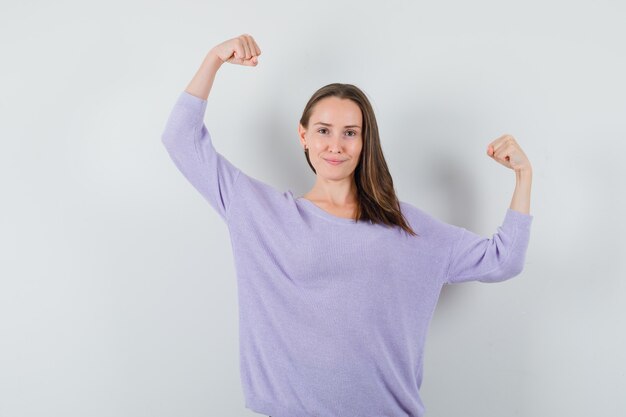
(190, 147)
(478, 258)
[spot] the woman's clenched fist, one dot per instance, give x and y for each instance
(507, 151)
(242, 50)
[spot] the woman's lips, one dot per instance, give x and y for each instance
(330, 161)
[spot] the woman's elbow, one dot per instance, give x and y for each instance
(505, 272)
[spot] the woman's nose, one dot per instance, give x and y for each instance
(335, 143)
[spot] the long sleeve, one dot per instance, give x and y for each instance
(478, 258)
(189, 145)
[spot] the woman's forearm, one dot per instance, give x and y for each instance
(521, 196)
(200, 85)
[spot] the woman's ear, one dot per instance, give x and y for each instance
(301, 134)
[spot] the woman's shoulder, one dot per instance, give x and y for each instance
(425, 221)
(258, 186)
(256, 194)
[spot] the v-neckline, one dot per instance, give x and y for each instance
(314, 208)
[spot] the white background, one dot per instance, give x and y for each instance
(118, 291)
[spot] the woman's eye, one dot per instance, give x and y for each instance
(323, 130)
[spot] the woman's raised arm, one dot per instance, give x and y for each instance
(504, 254)
(186, 137)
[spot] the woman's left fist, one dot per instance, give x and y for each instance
(506, 151)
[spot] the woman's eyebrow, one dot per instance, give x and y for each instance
(328, 124)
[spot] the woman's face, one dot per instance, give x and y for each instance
(334, 133)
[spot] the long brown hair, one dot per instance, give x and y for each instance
(377, 200)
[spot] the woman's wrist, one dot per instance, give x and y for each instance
(213, 59)
(524, 174)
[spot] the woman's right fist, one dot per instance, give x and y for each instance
(242, 50)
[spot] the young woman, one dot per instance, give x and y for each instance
(337, 287)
